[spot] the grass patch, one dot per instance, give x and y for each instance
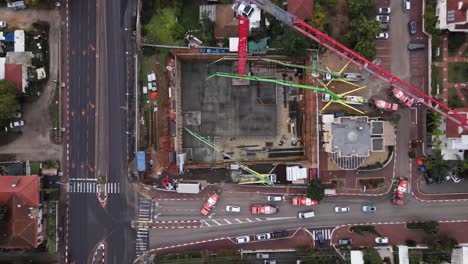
(429, 227)
(148, 59)
(189, 18)
(455, 41)
(365, 228)
(453, 99)
(35, 167)
(51, 228)
(436, 79)
(437, 48)
(458, 72)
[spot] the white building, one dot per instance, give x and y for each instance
(452, 15)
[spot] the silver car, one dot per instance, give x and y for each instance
(383, 18)
(369, 208)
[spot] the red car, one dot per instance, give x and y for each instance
(303, 201)
(381, 104)
(404, 99)
(419, 161)
(401, 189)
(206, 208)
(263, 209)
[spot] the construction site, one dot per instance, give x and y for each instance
(252, 121)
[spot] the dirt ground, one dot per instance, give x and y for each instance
(35, 141)
(339, 19)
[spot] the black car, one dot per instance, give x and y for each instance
(428, 178)
(279, 234)
(319, 236)
(345, 241)
(412, 27)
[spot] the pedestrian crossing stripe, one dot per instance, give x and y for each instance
(325, 232)
(92, 187)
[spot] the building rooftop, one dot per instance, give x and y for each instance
(304, 9)
(351, 136)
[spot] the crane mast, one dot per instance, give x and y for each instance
(348, 54)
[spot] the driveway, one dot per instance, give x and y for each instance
(35, 141)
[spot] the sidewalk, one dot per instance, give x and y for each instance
(397, 233)
(446, 85)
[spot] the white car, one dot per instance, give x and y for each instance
(381, 240)
(342, 209)
(382, 18)
(384, 10)
(327, 77)
(382, 35)
(275, 198)
(18, 123)
(369, 208)
(264, 236)
(233, 208)
(242, 239)
(3, 24)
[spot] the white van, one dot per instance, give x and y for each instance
(406, 6)
(306, 214)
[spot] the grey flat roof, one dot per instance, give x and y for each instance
(352, 137)
(377, 144)
(377, 127)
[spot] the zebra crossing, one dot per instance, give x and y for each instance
(145, 210)
(325, 232)
(222, 222)
(91, 186)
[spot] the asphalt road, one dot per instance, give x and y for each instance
(413, 210)
(89, 221)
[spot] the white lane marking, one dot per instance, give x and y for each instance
(216, 222)
(250, 221)
(239, 221)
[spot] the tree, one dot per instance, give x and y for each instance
(8, 101)
(164, 29)
(363, 32)
(436, 165)
(315, 190)
(320, 17)
(207, 30)
(291, 43)
(360, 7)
(366, 48)
(415, 256)
(319, 257)
(3, 213)
(371, 256)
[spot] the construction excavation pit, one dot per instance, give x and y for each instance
(249, 120)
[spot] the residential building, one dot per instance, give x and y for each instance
(455, 141)
(22, 226)
(452, 15)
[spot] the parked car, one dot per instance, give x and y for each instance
(303, 201)
(269, 261)
(384, 26)
(428, 178)
(382, 35)
(455, 178)
(3, 24)
(327, 77)
(406, 6)
(264, 236)
(369, 208)
(412, 27)
(280, 234)
(320, 238)
(242, 239)
(381, 240)
(18, 123)
(415, 46)
(233, 208)
(342, 209)
(383, 18)
(275, 198)
(419, 161)
(345, 241)
(384, 10)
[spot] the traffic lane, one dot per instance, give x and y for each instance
(413, 210)
(399, 40)
(121, 236)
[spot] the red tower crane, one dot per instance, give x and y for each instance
(348, 54)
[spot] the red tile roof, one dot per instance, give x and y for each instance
(304, 9)
(226, 22)
(19, 229)
(452, 129)
(460, 14)
(14, 72)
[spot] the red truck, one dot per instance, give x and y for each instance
(263, 209)
(381, 104)
(402, 97)
(303, 201)
(206, 208)
(400, 192)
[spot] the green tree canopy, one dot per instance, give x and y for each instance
(291, 43)
(360, 7)
(436, 165)
(164, 29)
(8, 101)
(315, 190)
(371, 256)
